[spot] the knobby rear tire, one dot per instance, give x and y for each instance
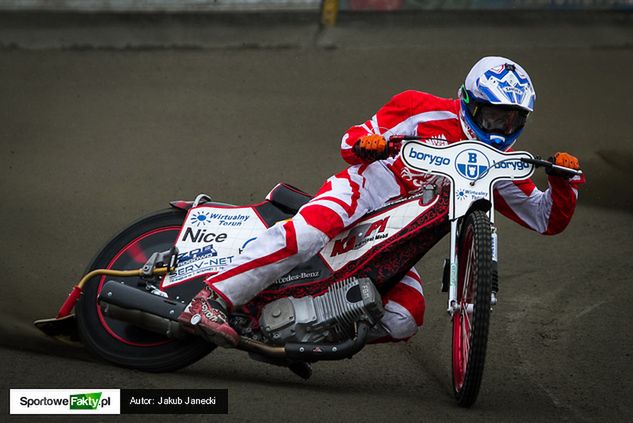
(470, 332)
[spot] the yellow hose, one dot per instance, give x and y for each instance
(121, 273)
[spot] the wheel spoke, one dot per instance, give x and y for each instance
(467, 315)
(465, 340)
(467, 274)
(466, 298)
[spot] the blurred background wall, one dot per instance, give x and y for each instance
(258, 5)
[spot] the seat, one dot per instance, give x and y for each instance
(288, 198)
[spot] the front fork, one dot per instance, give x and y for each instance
(495, 272)
(453, 304)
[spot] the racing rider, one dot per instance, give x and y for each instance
(493, 106)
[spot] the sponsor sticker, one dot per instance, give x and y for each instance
(361, 235)
(366, 234)
(511, 164)
(202, 217)
(430, 158)
(210, 239)
(470, 194)
(207, 265)
(472, 164)
(296, 277)
(202, 236)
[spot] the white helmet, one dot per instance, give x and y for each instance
(496, 100)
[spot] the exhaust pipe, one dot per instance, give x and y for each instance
(149, 322)
(142, 309)
(317, 352)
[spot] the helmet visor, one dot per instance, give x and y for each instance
(499, 119)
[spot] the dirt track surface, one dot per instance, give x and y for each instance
(91, 139)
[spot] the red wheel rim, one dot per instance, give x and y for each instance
(462, 320)
(135, 253)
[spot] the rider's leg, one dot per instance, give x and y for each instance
(274, 253)
(404, 311)
(343, 199)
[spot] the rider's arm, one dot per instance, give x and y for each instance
(397, 110)
(547, 212)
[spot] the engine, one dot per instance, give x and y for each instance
(328, 317)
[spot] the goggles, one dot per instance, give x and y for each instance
(502, 120)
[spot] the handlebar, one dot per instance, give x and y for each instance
(395, 141)
(538, 162)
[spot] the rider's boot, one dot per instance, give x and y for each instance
(207, 315)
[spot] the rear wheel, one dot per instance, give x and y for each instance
(123, 343)
(470, 324)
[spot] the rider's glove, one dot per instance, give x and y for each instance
(565, 160)
(371, 147)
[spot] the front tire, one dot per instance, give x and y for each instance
(471, 323)
(122, 343)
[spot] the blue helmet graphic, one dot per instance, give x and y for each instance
(496, 100)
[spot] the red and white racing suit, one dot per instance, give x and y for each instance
(364, 187)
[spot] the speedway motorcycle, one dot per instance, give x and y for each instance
(125, 308)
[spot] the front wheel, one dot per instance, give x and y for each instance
(120, 342)
(470, 324)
